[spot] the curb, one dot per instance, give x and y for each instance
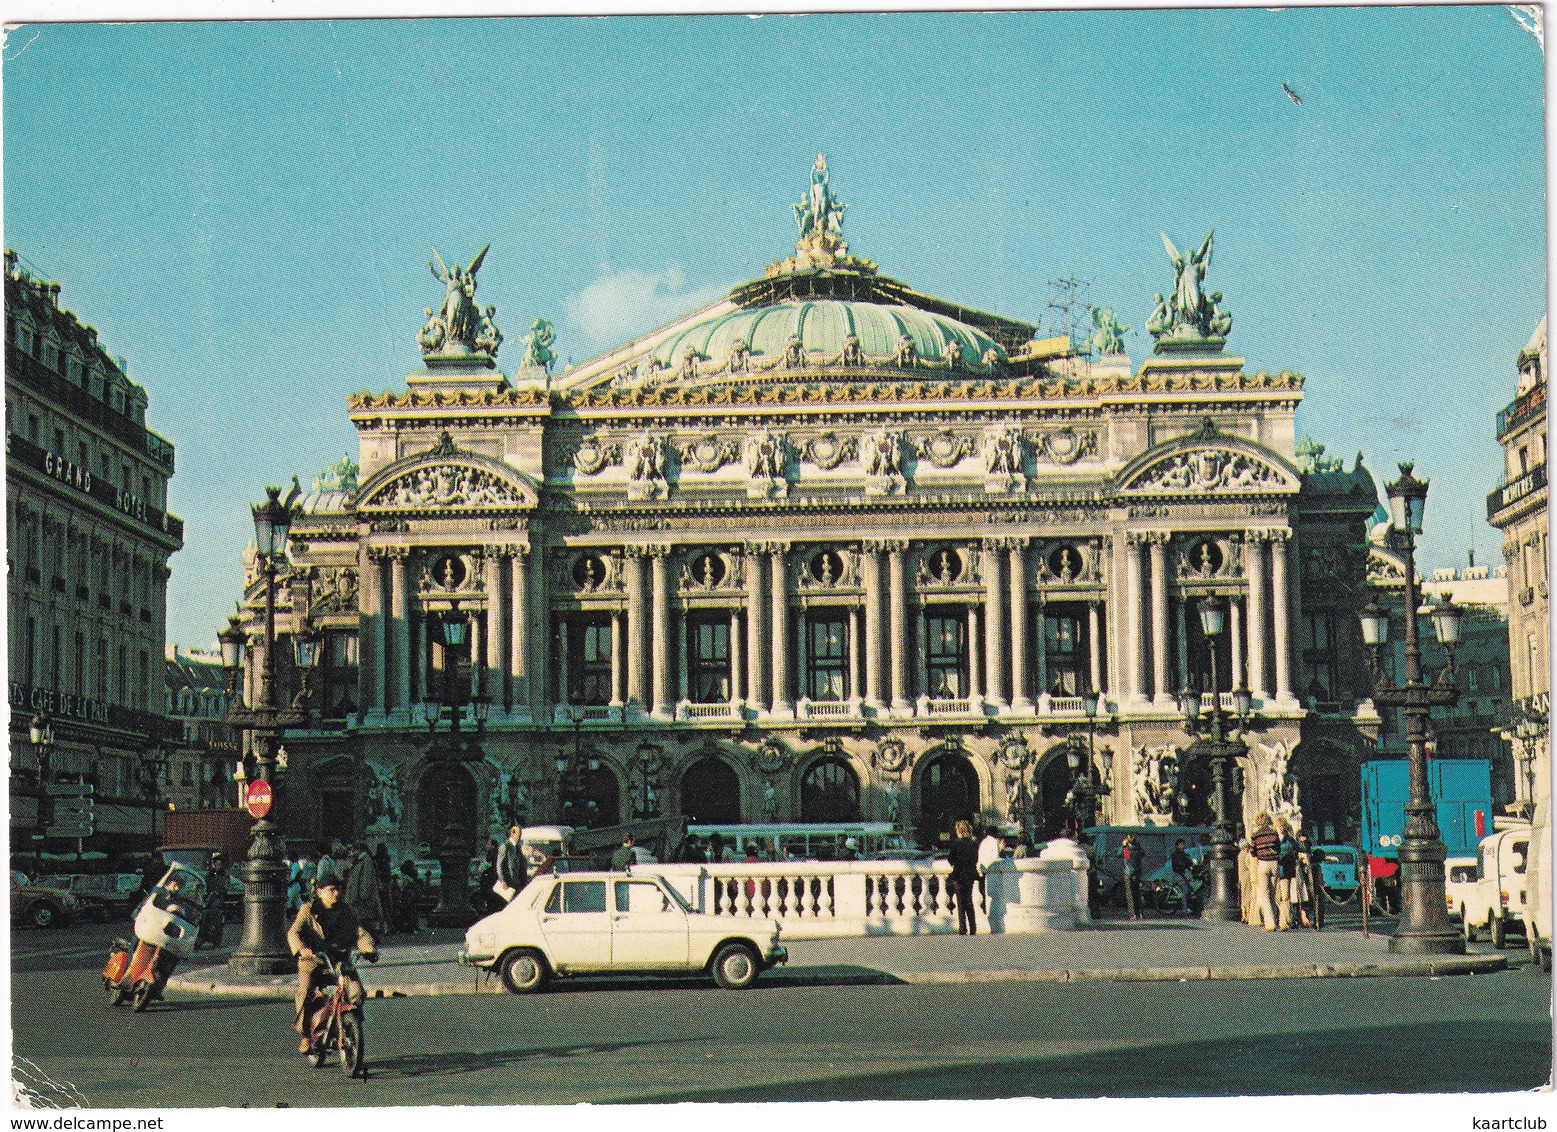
(1432, 968)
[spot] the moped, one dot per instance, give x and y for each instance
(334, 1024)
(166, 927)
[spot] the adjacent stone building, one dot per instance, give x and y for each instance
(202, 750)
(827, 548)
(1518, 509)
(89, 538)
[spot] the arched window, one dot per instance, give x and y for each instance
(830, 792)
(948, 790)
(711, 792)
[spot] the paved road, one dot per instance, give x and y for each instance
(668, 1042)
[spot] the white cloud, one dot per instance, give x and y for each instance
(617, 307)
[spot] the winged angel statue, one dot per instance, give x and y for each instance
(1189, 312)
(458, 323)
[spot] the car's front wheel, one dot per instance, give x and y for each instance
(525, 971)
(44, 914)
(735, 967)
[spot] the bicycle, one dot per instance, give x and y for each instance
(334, 1024)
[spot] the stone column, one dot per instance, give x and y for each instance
(1016, 564)
(1254, 552)
(856, 656)
(1159, 565)
(975, 657)
(994, 625)
(664, 702)
(1094, 647)
(419, 640)
(497, 636)
(737, 667)
(619, 692)
(1235, 638)
(870, 559)
(683, 652)
(778, 592)
(518, 640)
(564, 696)
(1280, 609)
(370, 645)
(400, 624)
(1133, 613)
(756, 632)
(477, 645)
(1181, 625)
(538, 619)
(897, 596)
(637, 635)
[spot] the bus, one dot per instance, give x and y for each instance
(804, 841)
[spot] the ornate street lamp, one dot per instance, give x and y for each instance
(40, 733)
(1424, 924)
(263, 950)
(1222, 751)
(1085, 790)
(452, 754)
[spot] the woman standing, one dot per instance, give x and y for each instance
(1130, 851)
(964, 858)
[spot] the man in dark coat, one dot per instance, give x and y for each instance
(510, 863)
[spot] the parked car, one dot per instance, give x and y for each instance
(1338, 872)
(1156, 842)
(41, 905)
(1497, 902)
(596, 923)
(102, 896)
(1459, 885)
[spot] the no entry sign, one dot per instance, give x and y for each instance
(257, 798)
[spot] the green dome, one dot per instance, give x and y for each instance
(822, 325)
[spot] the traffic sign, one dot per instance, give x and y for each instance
(257, 798)
(69, 789)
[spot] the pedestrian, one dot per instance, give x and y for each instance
(692, 851)
(1130, 852)
(214, 920)
(362, 887)
(625, 856)
(383, 875)
(1181, 865)
(988, 854)
(963, 855)
(1286, 876)
(331, 860)
(1265, 844)
(718, 852)
(1020, 850)
(511, 873)
(408, 897)
(1248, 906)
(484, 897)
(1309, 880)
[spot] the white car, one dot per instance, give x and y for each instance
(1497, 900)
(594, 923)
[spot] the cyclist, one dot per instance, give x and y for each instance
(327, 924)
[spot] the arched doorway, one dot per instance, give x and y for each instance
(446, 790)
(948, 790)
(711, 793)
(1054, 782)
(830, 792)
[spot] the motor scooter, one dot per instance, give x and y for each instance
(166, 927)
(1166, 896)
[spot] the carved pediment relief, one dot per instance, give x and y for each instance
(443, 486)
(1208, 469)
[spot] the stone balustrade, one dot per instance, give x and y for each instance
(817, 899)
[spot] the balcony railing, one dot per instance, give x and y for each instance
(722, 711)
(826, 709)
(1516, 489)
(1521, 410)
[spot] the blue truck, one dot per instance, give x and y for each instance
(1461, 788)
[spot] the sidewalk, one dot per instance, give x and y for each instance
(1107, 950)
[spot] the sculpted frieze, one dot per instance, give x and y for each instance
(593, 455)
(944, 449)
(1065, 445)
(444, 486)
(1209, 469)
(829, 450)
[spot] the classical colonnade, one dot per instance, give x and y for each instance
(512, 643)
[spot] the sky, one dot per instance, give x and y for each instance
(245, 210)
